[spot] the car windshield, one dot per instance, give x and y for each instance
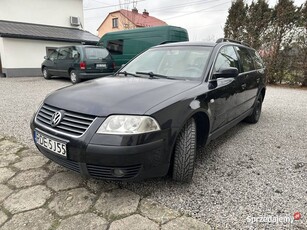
(182, 62)
(96, 53)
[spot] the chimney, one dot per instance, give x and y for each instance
(145, 13)
(135, 10)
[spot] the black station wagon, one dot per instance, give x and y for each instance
(147, 119)
(78, 63)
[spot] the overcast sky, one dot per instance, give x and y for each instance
(203, 19)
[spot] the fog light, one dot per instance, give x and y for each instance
(118, 172)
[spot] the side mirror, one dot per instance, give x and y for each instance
(230, 72)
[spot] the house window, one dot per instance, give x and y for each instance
(115, 22)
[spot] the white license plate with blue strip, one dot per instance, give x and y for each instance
(50, 144)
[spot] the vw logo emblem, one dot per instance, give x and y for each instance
(56, 118)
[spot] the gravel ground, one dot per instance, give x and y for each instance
(20, 98)
(250, 171)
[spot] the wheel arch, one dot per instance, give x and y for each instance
(202, 122)
(202, 127)
(70, 69)
(262, 92)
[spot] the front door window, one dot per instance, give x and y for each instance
(226, 58)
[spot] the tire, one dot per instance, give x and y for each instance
(254, 117)
(185, 153)
(74, 78)
(46, 73)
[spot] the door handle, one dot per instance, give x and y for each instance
(243, 86)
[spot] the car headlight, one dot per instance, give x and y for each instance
(128, 124)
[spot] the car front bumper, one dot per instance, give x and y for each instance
(112, 157)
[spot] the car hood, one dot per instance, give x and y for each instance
(117, 95)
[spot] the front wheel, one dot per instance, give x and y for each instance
(74, 78)
(254, 117)
(185, 153)
(46, 73)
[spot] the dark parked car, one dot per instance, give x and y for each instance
(78, 63)
(147, 120)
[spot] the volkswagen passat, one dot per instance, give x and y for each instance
(147, 119)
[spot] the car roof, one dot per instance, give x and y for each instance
(89, 46)
(81, 46)
(206, 44)
(210, 44)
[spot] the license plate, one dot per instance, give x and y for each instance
(50, 144)
(101, 66)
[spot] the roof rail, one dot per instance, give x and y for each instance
(231, 40)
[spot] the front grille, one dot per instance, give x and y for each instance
(103, 172)
(73, 123)
(72, 165)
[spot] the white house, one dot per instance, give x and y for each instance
(29, 29)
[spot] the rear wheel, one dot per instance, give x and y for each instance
(74, 78)
(185, 153)
(46, 73)
(254, 117)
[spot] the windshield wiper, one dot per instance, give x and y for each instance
(128, 74)
(155, 75)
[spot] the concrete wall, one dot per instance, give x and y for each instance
(22, 57)
(123, 23)
(48, 12)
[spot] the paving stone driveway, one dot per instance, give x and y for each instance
(38, 194)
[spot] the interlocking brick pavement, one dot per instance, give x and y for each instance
(35, 193)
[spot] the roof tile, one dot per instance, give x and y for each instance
(141, 20)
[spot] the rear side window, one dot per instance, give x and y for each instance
(257, 60)
(75, 53)
(115, 46)
(96, 53)
(65, 53)
(226, 58)
(246, 59)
